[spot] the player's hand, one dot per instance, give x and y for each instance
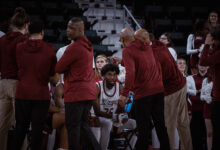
(124, 120)
(115, 60)
(62, 111)
(109, 115)
(121, 101)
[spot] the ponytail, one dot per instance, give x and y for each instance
(20, 18)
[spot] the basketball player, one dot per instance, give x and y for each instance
(106, 106)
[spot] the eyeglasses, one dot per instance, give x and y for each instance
(163, 38)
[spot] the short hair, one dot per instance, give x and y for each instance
(109, 67)
(215, 32)
(36, 26)
(76, 20)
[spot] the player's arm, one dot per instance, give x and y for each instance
(120, 109)
(96, 106)
(58, 96)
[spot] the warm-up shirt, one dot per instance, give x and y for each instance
(173, 79)
(143, 76)
(76, 64)
(211, 57)
(8, 65)
(36, 61)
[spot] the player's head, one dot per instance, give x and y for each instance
(109, 72)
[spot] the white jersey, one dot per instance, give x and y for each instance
(59, 54)
(108, 97)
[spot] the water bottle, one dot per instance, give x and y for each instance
(129, 103)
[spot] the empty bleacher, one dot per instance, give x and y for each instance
(104, 19)
(55, 15)
(110, 20)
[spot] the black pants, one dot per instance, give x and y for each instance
(198, 131)
(144, 109)
(26, 111)
(216, 125)
(76, 114)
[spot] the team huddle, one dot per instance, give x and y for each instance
(85, 100)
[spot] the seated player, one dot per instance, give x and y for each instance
(56, 120)
(107, 109)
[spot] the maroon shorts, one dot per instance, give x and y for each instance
(207, 111)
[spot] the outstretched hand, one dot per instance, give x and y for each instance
(115, 60)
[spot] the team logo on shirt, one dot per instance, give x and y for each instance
(109, 106)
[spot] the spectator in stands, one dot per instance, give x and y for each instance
(195, 43)
(210, 57)
(100, 61)
(213, 20)
(79, 88)
(197, 124)
(36, 61)
(106, 106)
(9, 71)
(181, 64)
(175, 107)
(205, 95)
(144, 78)
(166, 39)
